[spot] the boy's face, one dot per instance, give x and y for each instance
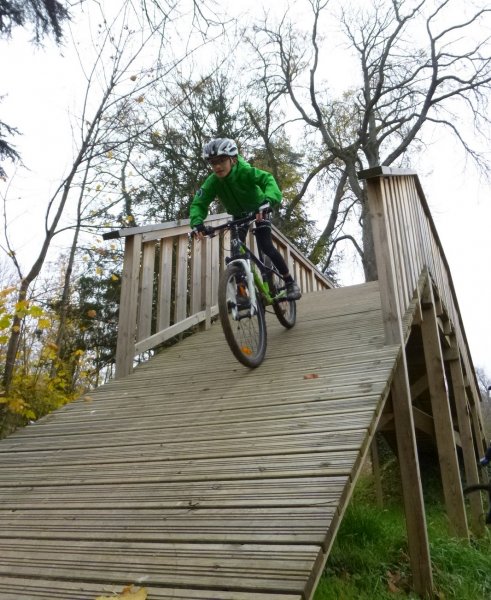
(222, 165)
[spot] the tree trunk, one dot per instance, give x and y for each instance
(14, 339)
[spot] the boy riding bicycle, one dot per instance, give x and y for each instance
(242, 189)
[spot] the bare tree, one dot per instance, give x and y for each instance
(115, 80)
(415, 68)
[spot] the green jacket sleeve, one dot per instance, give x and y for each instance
(201, 201)
(268, 185)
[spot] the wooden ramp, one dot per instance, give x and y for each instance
(195, 477)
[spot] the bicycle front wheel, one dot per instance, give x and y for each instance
(244, 327)
(285, 310)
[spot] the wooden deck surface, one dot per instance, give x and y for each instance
(196, 477)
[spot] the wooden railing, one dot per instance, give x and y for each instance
(417, 292)
(414, 248)
(169, 283)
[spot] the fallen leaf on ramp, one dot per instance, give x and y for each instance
(128, 593)
(311, 376)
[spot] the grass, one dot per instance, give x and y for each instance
(369, 559)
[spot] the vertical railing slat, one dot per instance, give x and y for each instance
(146, 291)
(165, 284)
(181, 278)
(185, 284)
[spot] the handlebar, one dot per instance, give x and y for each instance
(210, 230)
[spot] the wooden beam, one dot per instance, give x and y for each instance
(467, 442)
(419, 387)
(419, 550)
(424, 422)
(447, 454)
(374, 456)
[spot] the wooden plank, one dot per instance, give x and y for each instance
(165, 284)
(310, 491)
(302, 465)
(170, 332)
(289, 443)
(245, 568)
(12, 588)
(181, 278)
(222, 480)
(342, 421)
(146, 291)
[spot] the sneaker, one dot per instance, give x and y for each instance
(293, 291)
(484, 462)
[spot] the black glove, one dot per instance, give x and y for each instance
(265, 209)
(199, 229)
(204, 230)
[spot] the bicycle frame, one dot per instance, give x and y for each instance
(251, 264)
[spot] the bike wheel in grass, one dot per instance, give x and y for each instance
(245, 332)
(285, 310)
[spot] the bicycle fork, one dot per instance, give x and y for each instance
(246, 266)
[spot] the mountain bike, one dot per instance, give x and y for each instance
(246, 287)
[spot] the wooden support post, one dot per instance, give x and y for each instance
(444, 431)
(128, 306)
(419, 550)
(376, 471)
(467, 441)
(480, 436)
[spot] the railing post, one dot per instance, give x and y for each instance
(419, 551)
(128, 306)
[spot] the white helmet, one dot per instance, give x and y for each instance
(220, 147)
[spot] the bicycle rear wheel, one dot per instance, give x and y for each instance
(285, 310)
(245, 332)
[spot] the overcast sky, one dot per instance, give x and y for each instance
(39, 86)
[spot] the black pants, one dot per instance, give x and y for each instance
(265, 243)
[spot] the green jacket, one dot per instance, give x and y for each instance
(243, 191)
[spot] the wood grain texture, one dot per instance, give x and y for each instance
(196, 477)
